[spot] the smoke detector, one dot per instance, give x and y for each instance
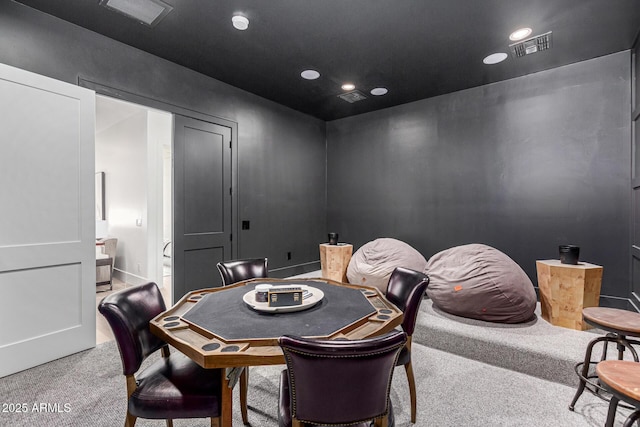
(353, 96)
(531, 45)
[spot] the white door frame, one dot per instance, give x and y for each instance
(124, 95)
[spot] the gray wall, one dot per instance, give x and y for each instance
(281, 154)
(635, 181)
(522, 165)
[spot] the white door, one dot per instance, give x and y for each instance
(47, 220)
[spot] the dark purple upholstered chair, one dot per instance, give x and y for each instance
(406, 290)
(338, 382)
(234, 272)
(172, 387)
(242, 269)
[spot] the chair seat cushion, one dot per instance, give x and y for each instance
(176, 387)
(284, 406)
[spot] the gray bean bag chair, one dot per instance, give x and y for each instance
(374, 262)
(480, 282)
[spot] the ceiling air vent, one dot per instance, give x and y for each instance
(353, 96)
(531, 45)
(148, 12)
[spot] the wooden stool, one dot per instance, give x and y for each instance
(621, 378)
(619, 324)
(334, 260)
(566, 289)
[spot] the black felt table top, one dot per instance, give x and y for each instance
(226, 315)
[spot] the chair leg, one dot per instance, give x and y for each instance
(412, 390)
(611, 414)
(381, 422)
(244, 388)
(631, 419)
(111, 277)
(130, 381)
(585, 369)
(215, 421)
(169, 423)
(130, 420)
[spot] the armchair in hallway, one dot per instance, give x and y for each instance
(106, 262)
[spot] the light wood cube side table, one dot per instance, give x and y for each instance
(334, 260)
(566, 289)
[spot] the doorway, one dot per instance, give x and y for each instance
(134, 154)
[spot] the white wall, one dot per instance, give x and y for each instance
(167, 158)
(121, 152)
(159, 137)
(131, 145)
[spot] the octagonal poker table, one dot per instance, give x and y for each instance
(217, 329)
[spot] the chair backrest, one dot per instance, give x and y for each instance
(242, 269)
(340, 381)
(110, 247)
(128, 313)
(406, 290)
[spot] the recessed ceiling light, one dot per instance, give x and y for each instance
(378, 91)
(494, 58)
(520, 34)
(240, 22)
(348, 86)
(310, 74)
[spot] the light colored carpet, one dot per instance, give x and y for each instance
(467, 373)
(452, 391)
(536, 348)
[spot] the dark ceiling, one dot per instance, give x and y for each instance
(415, 48)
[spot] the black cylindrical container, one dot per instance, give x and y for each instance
(569, 254)
(333, 238)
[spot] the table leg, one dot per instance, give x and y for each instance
(226, 414)
(244, 386)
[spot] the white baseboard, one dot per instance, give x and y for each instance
(129, 278)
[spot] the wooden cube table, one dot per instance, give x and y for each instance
(334, 260)
(566, 289)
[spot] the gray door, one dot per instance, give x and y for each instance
(202, 224)
(47, 219)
